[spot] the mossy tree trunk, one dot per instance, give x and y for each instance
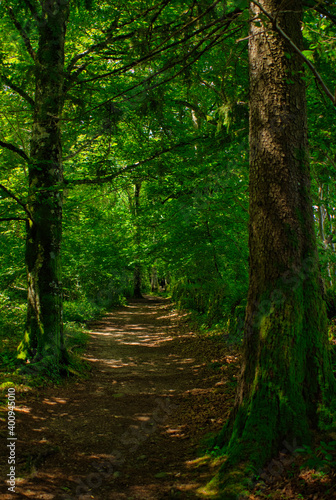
(286, 382)
(43, 340)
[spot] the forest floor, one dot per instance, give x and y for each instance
(153, 391)
(132, 428)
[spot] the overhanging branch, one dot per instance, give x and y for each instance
(84, 146)
(18, 201)
(318, 6)
(3, 219)
(163, 48)
(109, 39)
(217, 38)
(22, 32)
(128, 168)
(18, 90)
(15, 149)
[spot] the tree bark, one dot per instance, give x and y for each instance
(286, 382)
(43, 338)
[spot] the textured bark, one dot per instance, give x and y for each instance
(44, 335)
(286, 382)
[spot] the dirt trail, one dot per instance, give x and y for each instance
(121, 434)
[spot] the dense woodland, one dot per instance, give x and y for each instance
(185, 148)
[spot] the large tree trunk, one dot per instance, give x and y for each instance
(286, 382)
(44, 335)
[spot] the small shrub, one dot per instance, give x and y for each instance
(80, 311)
(76, 337)
(322, 457)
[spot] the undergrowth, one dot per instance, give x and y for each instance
(77, 314)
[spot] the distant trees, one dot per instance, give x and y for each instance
(79, 81)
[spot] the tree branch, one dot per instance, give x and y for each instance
(11, 195)
(96, 48)
(2, 219)
(298, 51)
(217, 39)
(173, 63)
(109, 39)
(33, 10)
(128, 168)
(319, 8)
(84, 146)
(18, 90)
(196, 109)
(162, 48)
(22, 32)
(16, 150)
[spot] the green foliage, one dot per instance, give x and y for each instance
(322, 457)
(81, 311)
(76, 337)
(330, 298)
(8, 360)
(12, 314)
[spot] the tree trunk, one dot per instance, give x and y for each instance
(137, 281)
(286, 382)
(154, 280)
(137, 268)
(43, 338)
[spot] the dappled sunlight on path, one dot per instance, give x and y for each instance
(125, 405)
(136, 342)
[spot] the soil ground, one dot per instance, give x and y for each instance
(131, 430)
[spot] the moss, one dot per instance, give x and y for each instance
(290, 390)
(24, 349)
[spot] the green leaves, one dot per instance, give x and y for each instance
(238, 4)
(309, 54)
(323, 456)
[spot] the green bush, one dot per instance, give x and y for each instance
(81, 311)
(214, 302)
(12, 319)
(76, 337)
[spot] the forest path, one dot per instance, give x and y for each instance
(130, 431)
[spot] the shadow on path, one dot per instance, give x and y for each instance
(111, 437)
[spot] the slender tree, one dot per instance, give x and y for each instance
(137, 265)
(286, 384)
